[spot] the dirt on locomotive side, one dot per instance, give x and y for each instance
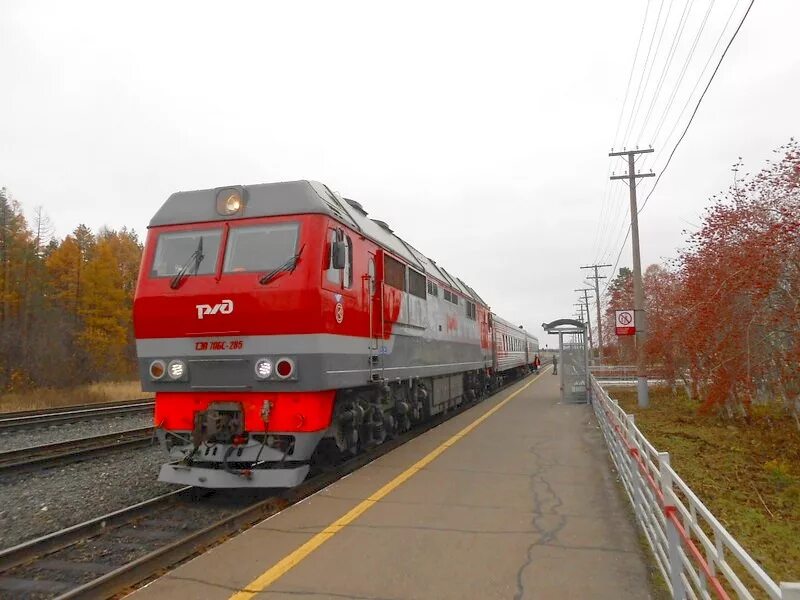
(93, 393)
(746, 471)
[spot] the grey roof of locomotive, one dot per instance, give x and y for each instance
(302, 197)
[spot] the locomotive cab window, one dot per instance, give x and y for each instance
(260, 248)
(177, 248)
(344, 276)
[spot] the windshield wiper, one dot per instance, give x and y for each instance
(290, 265)
(196, 257)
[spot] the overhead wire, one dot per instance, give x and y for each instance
(606, 204)
(641, 79)
(699, 79)
(684, 68)
(688, 125)
(630, 76)
(697, 107)
(683, 19)
(655, 58)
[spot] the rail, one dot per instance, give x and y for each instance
(73, 414)
(58, 453)
(695, 553)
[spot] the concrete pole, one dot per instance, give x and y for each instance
(597, 279)
(585, 292)
(640, 318)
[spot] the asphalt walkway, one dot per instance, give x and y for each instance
(511, 499)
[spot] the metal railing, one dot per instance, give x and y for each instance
(695, 553)
(614, 371)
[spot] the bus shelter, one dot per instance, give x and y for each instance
(573, 359)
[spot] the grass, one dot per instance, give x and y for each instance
(93, 393)
(747, 472)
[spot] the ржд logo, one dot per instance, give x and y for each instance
(224, 308)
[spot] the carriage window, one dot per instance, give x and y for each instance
(416, 283)
(260, 248)
(433, 289)
(394, 272)
(176, 248)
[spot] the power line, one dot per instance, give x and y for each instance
(630, 77)
(682, 74)
(697, 83)
(641, 79)
(696, 108)
(667, 63)
(653, 63)
(606, 205)
(686, 129)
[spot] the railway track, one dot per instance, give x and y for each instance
(50, 455)
(73, 414)
(108, 555)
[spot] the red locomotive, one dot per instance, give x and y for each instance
(272, 318)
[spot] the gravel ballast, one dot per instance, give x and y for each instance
(34, 504)
(24, 438)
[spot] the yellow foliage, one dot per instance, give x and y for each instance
(105, 312)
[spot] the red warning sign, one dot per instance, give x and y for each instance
(625, 322)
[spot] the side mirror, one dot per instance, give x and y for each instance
(339, 255)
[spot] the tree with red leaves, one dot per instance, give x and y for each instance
(725, 315)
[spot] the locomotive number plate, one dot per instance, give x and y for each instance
(218, 345)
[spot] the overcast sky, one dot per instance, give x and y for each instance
(479, 132)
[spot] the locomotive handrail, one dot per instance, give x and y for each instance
(697, 556)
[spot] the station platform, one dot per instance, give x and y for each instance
(513, 498)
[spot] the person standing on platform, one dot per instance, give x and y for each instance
(555, 365)
(536, 363)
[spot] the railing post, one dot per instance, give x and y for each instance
(790, 591)
(633, 468)
(673, 540)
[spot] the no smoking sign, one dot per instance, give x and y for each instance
(625, 322)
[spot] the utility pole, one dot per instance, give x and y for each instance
(597, 279)
(640, 317)
(579, 315)
(588, 317)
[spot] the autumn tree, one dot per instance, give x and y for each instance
(65, 305)
(724, 316)
(104, 313)
(620, 350)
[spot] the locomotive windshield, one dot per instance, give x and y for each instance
(260, 248)
(256, 248)
(175, 248)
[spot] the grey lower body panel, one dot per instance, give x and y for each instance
(220, 479)
(402, 357)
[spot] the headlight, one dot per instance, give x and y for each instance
(229, 201)
(176, 369)
(263, 368)
(157, 369)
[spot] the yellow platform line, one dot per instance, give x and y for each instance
(280, 568)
